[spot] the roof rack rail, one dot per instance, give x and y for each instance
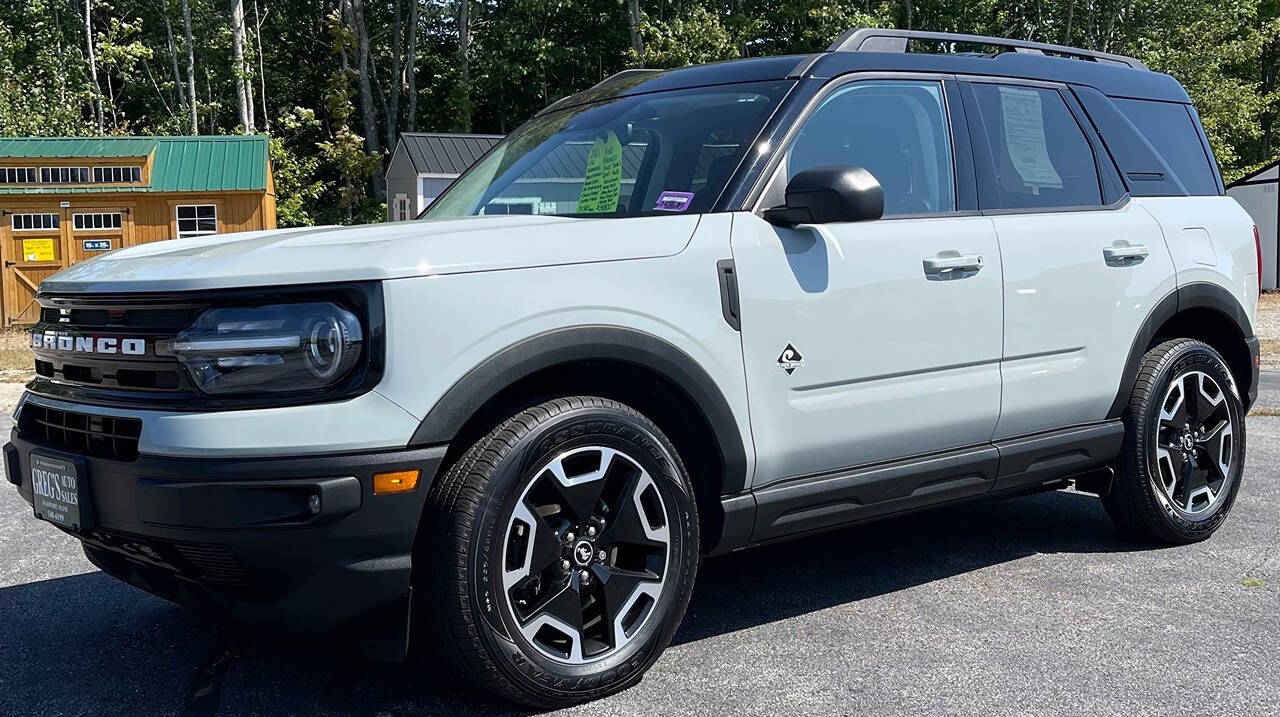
(875, 40)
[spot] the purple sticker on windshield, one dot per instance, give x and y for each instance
(674, 201)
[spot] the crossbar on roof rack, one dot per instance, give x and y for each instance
(875, 40)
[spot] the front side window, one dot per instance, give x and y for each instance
(1040, 155)
(648, 154)
(197, 220)
(895, 129)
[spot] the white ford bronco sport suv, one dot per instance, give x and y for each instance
(718, 306)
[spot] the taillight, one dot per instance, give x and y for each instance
(1257, 245)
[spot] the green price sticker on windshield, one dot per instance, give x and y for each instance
(602, 184)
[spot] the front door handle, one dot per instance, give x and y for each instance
(948, 265)
(1124, 254)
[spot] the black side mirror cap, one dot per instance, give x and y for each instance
(820, 195)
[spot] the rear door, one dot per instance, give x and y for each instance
(1083, 265)
(860, 345)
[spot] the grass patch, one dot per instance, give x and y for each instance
(1254, 582)
(16, 362)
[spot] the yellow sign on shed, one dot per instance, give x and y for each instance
(38, 250)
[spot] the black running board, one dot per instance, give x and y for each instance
(834, 499)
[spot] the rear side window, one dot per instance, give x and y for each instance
(1040, 155)
(1169, 128)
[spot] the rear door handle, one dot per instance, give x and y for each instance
(1124, 254)
(952, 265)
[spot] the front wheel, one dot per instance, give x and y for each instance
(561, 554)
(1184, 444)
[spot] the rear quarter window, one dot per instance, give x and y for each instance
(1169, 128)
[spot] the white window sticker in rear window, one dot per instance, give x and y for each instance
(1025, 139)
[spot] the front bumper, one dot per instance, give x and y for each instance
(238, 537)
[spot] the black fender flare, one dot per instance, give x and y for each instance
(1189, 296)
(580, 343)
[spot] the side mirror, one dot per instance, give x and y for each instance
(819, 195)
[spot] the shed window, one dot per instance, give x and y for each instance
(34, 222)
(197, 220)
(97, 220)
(17, 175)
(401, 208)
(117, 174)
(64, 175)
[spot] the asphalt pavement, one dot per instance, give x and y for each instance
(1029, 606)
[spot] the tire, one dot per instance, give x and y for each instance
(1168, 486)
(499, 602)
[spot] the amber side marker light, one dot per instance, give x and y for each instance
(395, 481)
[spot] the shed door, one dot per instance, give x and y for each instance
(96, 230)
(33, 250)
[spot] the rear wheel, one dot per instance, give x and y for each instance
(562, 552)
(1184, 446)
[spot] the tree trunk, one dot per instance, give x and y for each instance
(173, 59)
(244, 100)
(191, 67)
(397, 79)
(464, 62)
(1071, 11)
(208, 91)
(907, 5)
(411, 58)
(367, 113)
(93, 64)
(633, 23)
(262, 75)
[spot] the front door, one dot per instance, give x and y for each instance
(867, 342)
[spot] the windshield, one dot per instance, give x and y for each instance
(655, 153)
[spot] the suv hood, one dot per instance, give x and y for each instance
(315, 255)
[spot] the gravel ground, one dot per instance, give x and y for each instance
(1268, 329)
(1031, 606)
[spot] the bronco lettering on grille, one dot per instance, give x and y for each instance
(53, 341)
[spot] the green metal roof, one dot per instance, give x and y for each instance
(179, 164)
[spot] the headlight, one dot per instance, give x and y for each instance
(281, 348)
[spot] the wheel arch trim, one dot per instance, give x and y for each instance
(1198, 295)
(585, 343)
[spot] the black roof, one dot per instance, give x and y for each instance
(450, 154)
(1111, 79)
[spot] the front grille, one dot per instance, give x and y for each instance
(84, 434)
(134, 317)
(151, 321)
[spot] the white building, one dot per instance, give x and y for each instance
(424, 163)
(1259, 195)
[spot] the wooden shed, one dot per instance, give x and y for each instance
(66, 199)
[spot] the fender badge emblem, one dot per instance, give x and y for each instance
(790, 360)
